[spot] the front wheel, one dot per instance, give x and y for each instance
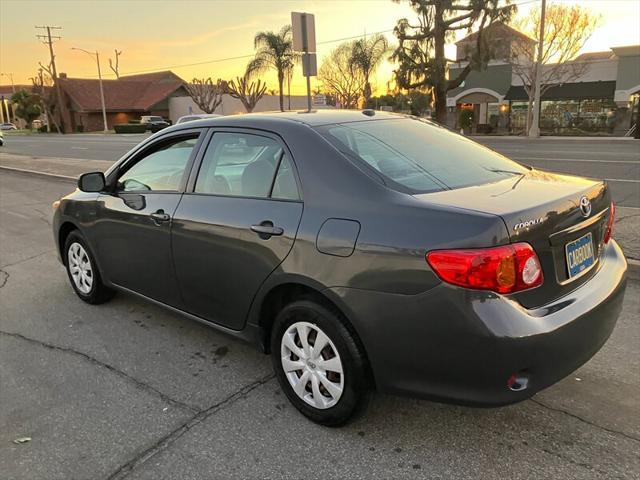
(83, 271)
(318, 363)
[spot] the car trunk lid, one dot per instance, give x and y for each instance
(543, 209)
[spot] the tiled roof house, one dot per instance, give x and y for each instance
(126, 98)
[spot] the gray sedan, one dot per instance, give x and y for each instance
(362, 250)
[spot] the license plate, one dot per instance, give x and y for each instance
(579, 255)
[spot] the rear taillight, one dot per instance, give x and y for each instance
(504, 269)
(612, 217)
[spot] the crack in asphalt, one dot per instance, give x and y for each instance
(141, 385)
(585, 465)
(164, 442)
(4, 277)
(584, 420)
(25, 259)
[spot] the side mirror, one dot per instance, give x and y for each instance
(92, 182)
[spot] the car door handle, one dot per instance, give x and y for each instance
(159, 217)
(266, 229)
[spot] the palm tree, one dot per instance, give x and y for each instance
(274, 51)
(367, 55)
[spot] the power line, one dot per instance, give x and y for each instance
(240, 57)
(250, 55)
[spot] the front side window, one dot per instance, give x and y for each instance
(160, 170)
(244, 165)
(419, 156)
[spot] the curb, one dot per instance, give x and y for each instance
(43, 174)
(633, 269)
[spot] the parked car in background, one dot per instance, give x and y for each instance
(154, 123)
(361, 249)
(196, 116)
(8, 126)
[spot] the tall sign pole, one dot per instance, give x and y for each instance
(534, 130)
(304, 40)
(305, 49)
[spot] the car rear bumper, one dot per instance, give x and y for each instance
(460, 345)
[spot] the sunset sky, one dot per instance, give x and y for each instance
(167, 34)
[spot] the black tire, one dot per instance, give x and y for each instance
(356, 390)
(99, 293)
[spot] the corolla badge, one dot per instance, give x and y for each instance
(528, 223)
(585, 206)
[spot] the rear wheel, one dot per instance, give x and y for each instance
(83, 272)
(318, 363)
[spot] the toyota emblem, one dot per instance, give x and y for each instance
(585, 206)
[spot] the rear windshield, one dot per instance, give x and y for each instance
(419, 156)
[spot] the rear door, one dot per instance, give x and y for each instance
(235, 224)
(133, 230)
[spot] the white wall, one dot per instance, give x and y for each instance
(598, 70)
(180, 106)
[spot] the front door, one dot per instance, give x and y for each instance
(133, 235)
(236, 226)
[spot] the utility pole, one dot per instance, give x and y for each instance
(48, 39)
(534, 130)
(104, 109)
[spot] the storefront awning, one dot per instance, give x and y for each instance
(568, 91)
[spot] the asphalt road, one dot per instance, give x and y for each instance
(129, 390)
(89, 146)
(617, 161)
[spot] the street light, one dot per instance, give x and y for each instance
(104, 110)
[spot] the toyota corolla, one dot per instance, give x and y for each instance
(362, 250)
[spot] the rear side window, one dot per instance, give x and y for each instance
(244, 165)
(420, 156)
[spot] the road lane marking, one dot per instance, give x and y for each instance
(79, 148)
(17, 214)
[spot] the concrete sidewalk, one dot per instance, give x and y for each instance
(626, 229)
(70, 168)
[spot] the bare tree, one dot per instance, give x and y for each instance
(341, 77)
(567, 28)
(249, 92)
(420, 53)
(206, 94)
(114, 64)
(43, 84)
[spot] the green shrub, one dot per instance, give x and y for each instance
(79, 128)
(130, 128)
(465, 118)
(133, 120)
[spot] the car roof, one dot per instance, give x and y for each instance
(313, 118)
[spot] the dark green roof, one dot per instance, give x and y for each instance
(568, 91)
